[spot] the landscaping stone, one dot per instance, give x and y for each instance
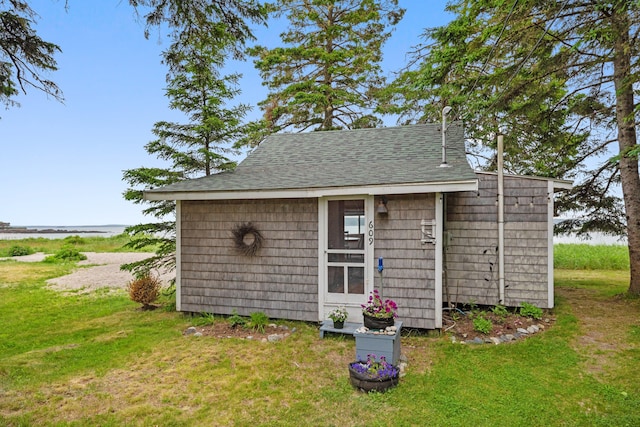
(501, 338)
(275, 337)
(190, 330)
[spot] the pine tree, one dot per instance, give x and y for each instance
(327, 73)
(24, 56)
(199, 147)
(558, 78)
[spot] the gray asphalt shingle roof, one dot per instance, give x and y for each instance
(363, 157)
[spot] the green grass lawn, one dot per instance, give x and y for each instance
(86, 360)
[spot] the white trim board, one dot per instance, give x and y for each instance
(439, 187)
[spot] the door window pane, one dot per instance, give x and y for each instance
(356, 280)
(335, 283)
(355, 258)
(346, 224)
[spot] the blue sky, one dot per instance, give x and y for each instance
(61, 164)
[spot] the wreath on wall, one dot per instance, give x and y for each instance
(247, 238)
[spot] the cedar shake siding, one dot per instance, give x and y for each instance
(471, 257)
(409, 266)
(281, 280)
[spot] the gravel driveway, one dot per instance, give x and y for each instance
(104, 271)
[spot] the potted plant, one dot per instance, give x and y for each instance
(379, 314)
(339, 315)
(373, 374)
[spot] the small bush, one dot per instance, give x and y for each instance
(144, 290)
(530, 310)
(204, 319)
(74, 240)
(500, 311)
(236, 320)
(66, 253)
(257, 321)
(17, 250)
(482, 324)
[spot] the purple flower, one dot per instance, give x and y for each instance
(377, 308)
(376, 369)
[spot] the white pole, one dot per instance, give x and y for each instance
(500, 220)
(445, 111)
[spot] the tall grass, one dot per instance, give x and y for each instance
(590, 257)
(81, 243)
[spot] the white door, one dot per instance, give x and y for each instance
(346, 251)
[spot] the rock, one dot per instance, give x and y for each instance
(250, 337)
(495, 340)
(197, 334)
(453, 339)
(476, 340)
(274, 337)
(272, 325)
(190, 330)
(532, 329)
(523, 331)
(509, 337)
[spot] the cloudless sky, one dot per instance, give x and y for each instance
(61, 164)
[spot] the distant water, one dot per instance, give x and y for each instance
(65, 231)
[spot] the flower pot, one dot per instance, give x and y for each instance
(338, 324)
(366, 383)
(377, 322)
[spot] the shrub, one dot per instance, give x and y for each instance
(74, 240)
(66, 253)
(144, 290)
(204, 319)
(530, 310)
(482, 324)
(257, 321)
(17, 250)
(236, 320)
(500, 311)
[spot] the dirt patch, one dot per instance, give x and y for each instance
(460, 325)
(604, 324)
(222, 329)
(99, 270)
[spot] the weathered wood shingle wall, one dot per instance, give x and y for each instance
(409, 267)
(281, 280)
(471, 258)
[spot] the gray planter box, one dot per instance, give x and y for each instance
(380, 345)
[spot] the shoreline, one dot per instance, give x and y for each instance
(24, 230)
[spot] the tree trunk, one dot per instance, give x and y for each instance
(627, 139)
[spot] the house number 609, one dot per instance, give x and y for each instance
(370, 233)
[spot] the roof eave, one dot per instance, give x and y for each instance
(558, 184)
(303, 193)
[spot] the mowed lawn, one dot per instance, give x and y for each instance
(96, 359)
